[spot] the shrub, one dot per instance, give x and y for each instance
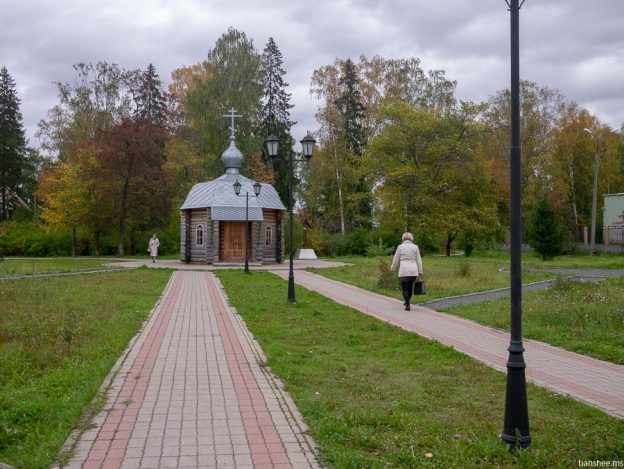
(375, 250)
(389, 236)
(316, 240)
(336, 245)
(468, 248)
(358, 241)
(30, 239)
(297, 234)
(426, 243)
(463, 269)
(387, 278)
(390, 251)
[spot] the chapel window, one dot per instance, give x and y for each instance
(268, 236)
(199, 235)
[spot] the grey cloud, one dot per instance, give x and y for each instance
(575, 46)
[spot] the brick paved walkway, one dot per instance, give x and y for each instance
(595, 382)
(190, 392)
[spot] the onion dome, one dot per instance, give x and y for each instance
(232, 158)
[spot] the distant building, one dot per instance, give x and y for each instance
(613, 218)
(213, 218)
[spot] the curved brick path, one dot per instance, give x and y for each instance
(595, 382)
(190, 392)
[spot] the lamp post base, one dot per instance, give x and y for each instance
(291, 287)
(516, 426)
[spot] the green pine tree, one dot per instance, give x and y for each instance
(275, 113)
(351, 109)
(12, 143)
(149, 96)
(350, 106)
(545, 233)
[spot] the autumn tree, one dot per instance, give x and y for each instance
(380, 81)
(324, 188)
(184, 164)
(572, 156)
(231, 79)
(131, 166)
(540, 110)
(618, 184)
(67, 193)
(97, 99)
(35, 164)
(427, 172)
(12, 142)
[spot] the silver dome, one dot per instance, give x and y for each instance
(232, 158)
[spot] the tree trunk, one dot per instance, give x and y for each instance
(4, 204)
(405, 228)
(133, 242)
(338, 183)
(97, 243)
(73, 241)
(408, 221)
(573, 194)
(122, 220)
(341, 204)
(449, 240)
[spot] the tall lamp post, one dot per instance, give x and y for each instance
(307, 145)
(256, 188)
(516, 426)
(592, 248)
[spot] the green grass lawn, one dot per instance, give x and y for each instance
(583, 317)
(445, 276)
(59, 337)
(568, 261)
(376, 396)
(26, 266)
(586, 318)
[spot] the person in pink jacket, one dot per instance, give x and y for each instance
(407, 259)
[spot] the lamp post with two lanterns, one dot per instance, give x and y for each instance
(256, 188)
(307, 145)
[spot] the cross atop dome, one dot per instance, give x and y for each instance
(232, 158)
(232, 115)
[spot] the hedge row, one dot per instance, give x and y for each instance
(33, 240)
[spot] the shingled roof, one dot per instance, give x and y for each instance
(219, 195)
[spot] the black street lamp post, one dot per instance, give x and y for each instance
(516, 427)
(307, 145)
(256, 188)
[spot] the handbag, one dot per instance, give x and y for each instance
(419, 286)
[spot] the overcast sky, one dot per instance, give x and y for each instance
(575, 46)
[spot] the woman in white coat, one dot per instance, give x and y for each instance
(153, 247)
(407, 258)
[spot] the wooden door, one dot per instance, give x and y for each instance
(233, 246)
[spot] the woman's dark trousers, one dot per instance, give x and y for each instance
(407, 284)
